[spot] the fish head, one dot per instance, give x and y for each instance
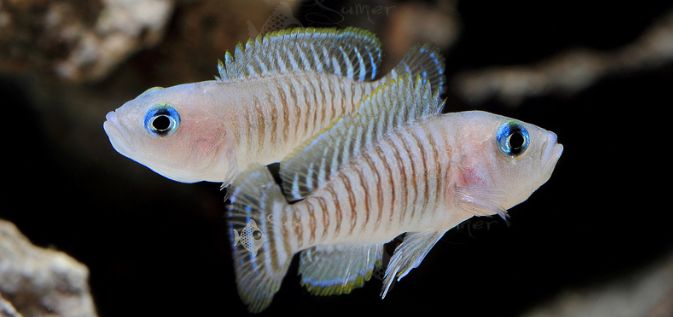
(175, 131)
(503, 160)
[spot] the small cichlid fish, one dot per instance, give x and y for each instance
(395, 166)
(272, 94)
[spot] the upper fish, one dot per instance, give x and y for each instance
(272, 95)
(396, 166)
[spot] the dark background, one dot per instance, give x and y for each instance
(158, 247)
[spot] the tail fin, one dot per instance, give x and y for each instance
(424, 61)
(261, 258)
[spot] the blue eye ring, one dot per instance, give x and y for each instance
(512, 138)
(162, 120)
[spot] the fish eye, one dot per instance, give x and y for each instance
(257, 234)
(513, 138)
(162, 120)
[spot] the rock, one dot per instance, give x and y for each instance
(413, 23)
(571, 71)
(77, 40)
(40, 282)
(647, 293)
(6, 309)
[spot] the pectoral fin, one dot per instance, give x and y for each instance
(481, 202)
(408, 255)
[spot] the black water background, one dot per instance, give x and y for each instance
(603, 215)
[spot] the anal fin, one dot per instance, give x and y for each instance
(338, 269)
(408, 255)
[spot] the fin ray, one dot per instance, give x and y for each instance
(338, 269)
(260, 260)
(397, 103)
(288, 51)
(424, 61)
(408, 255)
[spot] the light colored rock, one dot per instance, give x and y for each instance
(78, 40)
(570, 71)
(6, 309)
(41, 282)
(412, 23)
(122, 28)
(648, 293)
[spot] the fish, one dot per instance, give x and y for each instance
(250, 237)
(396, 167)
(270, 96)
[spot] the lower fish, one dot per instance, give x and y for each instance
(395, 167)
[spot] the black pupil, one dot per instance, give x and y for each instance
(516, 141)
(257, 234)
(161, 123)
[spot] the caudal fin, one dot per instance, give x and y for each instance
(424, 61)
(260, 257)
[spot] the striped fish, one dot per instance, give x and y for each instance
(396, 166)
(273, 93)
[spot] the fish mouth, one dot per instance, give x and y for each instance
(114, 130)
(119, 136)
(552, 150)
(108, 125)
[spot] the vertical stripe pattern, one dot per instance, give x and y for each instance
(394, 186)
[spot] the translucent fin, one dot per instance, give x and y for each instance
(392, 105)
(408, 255)
(338, 269)
(350, 52)
(424, 61)
(260, 260)
(481, 202)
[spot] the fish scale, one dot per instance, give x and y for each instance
(309, 99)
(396, 166)
(352, 189)
(305, 116)
(273, 94)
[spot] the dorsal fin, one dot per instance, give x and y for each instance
(391, 105)
(424, 60)
(350, 52)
